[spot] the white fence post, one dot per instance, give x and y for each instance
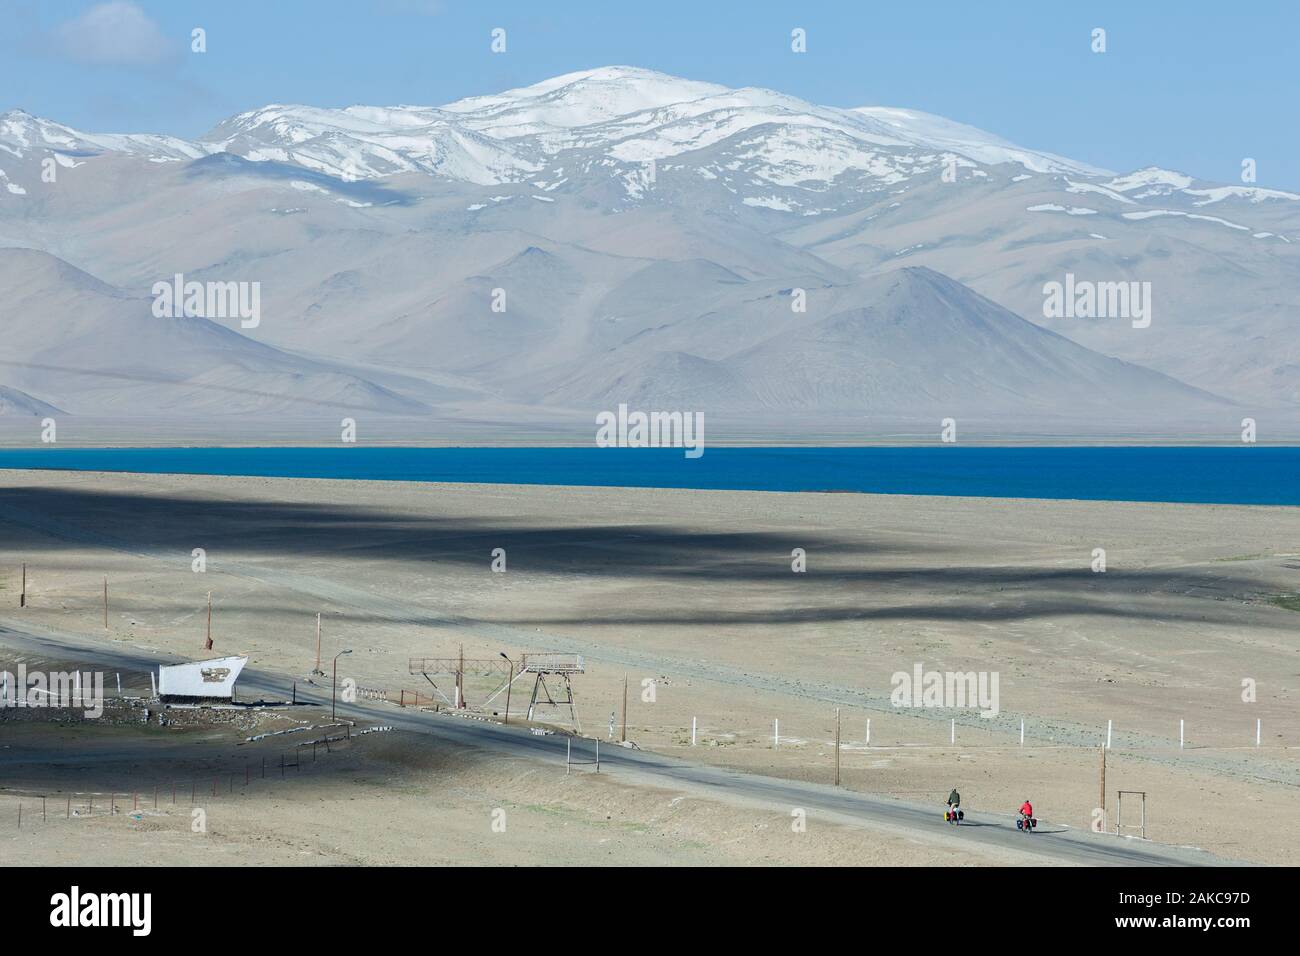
(693, 731)
(1180, 734)
(1108, 727)
(868, 731)
(776, 733)
(1258, 724)
(1022, 731)
(952, 734)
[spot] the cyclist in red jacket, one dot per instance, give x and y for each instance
(1027, 812)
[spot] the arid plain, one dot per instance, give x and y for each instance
(692, 597)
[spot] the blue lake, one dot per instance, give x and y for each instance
(1222, 475)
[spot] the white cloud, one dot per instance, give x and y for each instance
(117, 33)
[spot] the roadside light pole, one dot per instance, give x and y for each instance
(510, 681)
(318, 672)
(334, 686)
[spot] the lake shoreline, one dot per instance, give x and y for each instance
(1182, 474)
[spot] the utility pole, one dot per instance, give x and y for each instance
(837, 746)
(318, 670)
(106, 602)
(460, 679)
(1103, 787)
(22, 596)
(623, 737)
(509, 682)
(208, 644)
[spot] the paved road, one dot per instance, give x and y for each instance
(1052, 843)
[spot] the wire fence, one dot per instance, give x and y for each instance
(859, 732)
(30, 806)
(401, 697)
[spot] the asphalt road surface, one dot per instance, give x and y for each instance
(1054, 843)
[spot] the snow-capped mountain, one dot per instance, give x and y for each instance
(23, 135)
(363, 142)
(617, 121)
(630, 125)
(649, 231)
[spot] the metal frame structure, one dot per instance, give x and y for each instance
(1141, 826)
(540, 665)
(552, 664)
(458, 667)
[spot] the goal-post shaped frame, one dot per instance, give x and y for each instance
(542, 665)
(1141, 825)
(553, 664)
(458, 667)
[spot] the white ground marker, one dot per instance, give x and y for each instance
(868, 731)
(1109, 724)
(1180, 735)
(1258, 724)
(776, 734)
(692, 731)
(952, 734)
(1022, 731)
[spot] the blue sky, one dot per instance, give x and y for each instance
(1194, 86)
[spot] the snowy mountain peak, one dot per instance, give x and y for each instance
(613, 116)
(21, 133)
(579, 99)
(624, 126)
(21, 129)
(1153, 182)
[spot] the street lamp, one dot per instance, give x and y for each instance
(509, 684)
(334, 686)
